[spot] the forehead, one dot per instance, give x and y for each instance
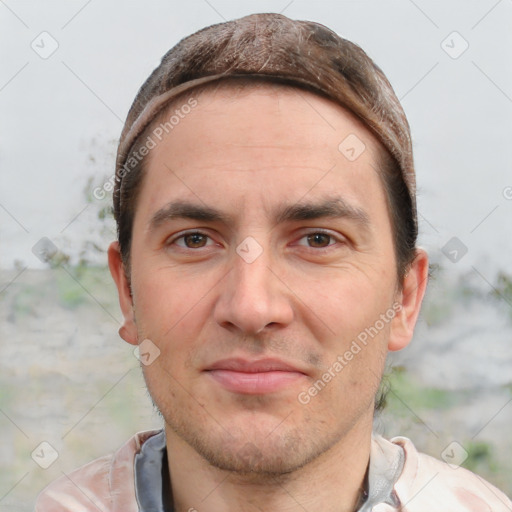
(270, 104)
(276, 138)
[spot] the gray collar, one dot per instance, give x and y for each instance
(151, 476)
(386, 465)
(153, 492)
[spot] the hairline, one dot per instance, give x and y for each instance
(245, 85)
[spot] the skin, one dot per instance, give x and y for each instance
(317, 284)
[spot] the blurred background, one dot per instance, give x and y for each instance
(70, 70)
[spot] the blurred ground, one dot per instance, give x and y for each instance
(66, 378)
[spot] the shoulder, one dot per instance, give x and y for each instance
(428, 484)
(105, 484)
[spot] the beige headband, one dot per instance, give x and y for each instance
(156, 104)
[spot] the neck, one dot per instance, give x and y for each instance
(333, 482)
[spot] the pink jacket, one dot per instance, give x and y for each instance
(425, 485)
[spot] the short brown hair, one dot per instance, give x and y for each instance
(302, 54)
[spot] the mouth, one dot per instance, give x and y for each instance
(255, 377)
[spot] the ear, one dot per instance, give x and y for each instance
(128, 331)
(410, 298)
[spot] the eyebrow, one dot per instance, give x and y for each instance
(334, 207)
(186, 210)
(331, 207)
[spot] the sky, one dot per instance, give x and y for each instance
(71, 68)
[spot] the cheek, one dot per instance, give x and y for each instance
(355, 344)
(351, 301)
(169, 310)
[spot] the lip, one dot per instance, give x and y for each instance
(254, 377)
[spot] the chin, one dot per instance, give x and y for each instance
(264, 458)
(260, 449)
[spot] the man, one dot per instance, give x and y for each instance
(266, 263)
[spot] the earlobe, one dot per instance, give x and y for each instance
(411, 297)
(128, 331)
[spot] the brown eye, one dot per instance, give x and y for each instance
(195, 240)
(319, 240)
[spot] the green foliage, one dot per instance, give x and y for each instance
(435, 311)
(480, 457)
(81, 283)
(6, 392)
(438, 303)
(508, 388)
(503, 290)
(444, 295)
(23, 300)
(71, 294)
(504, 285)
(406, 395)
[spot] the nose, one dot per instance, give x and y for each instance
(253, 297)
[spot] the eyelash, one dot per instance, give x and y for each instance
(184, 235)
(333, 239)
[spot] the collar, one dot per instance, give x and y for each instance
(152, 481)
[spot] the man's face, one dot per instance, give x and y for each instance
(260, 252)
